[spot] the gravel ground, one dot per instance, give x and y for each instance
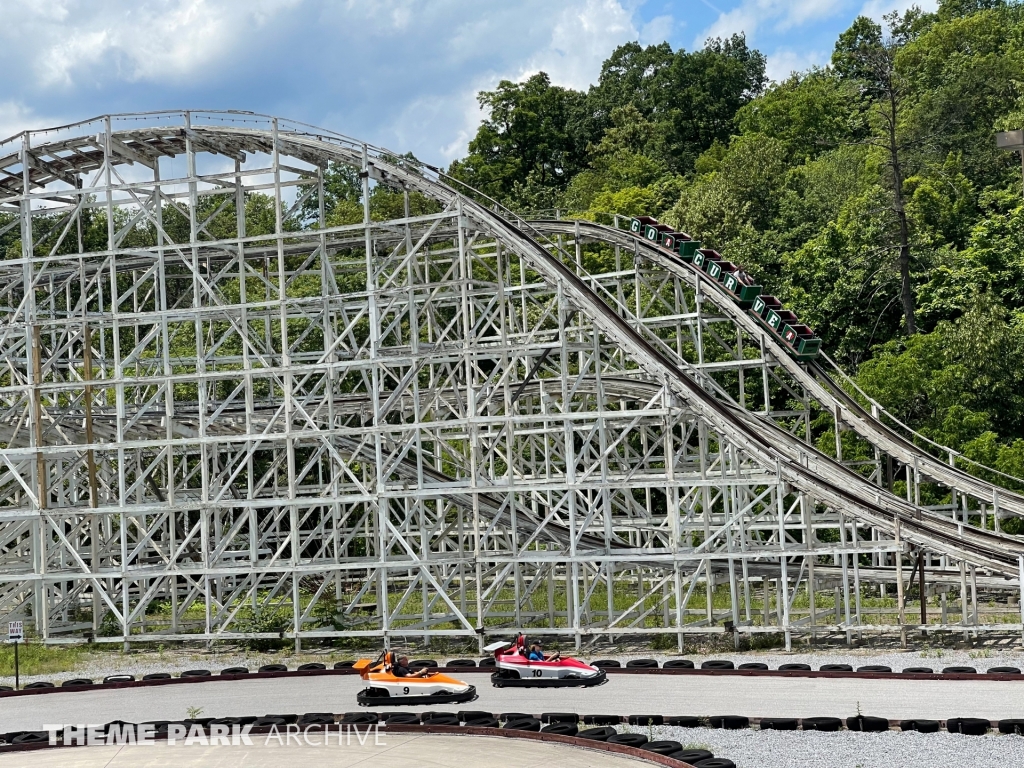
(102, 664)
(96, 667)
(845, 749)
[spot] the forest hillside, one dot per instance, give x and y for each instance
(868, 195)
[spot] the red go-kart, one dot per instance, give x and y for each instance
(515, 670)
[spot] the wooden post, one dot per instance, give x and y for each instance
(90, 457)
(924, 599)
(901, 605)
(37, 416)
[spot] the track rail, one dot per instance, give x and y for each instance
(813, 376)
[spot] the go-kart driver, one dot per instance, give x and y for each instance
(537, 653)
(401, 669)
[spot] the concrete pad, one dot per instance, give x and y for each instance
(394, 751)
(626, 694)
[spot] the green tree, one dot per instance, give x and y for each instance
(527, 148)
(865, 57)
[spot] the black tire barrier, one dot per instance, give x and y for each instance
(645, 720)
(920, 725)
(601, 733)
(1012, 725)
(157, 676)
(39, 684)
(830, 724)
(729, 722)
(867, 724)
(683, 721)
(754, 665)
(874, 668)
(717, 664)
(288, 719)
(226, 721)
(835, 668)
(489, 662)
(344, 664)
(359, 718)
(267, 722)
(559, 717)
(678, 664)
(628, 739)
(163, 726)
(561, 729)
(202, 722)
(602, 719)
(426, 716)
(606, 664)
(403, 718)
(466, 715)
(313, 665)
(235, 671)
(969, 726)
(273, 668)
(8, 738)
(444, 720)
(779, 724)
(461, 663)
(484, 722)
(528, 724)
(6, 687)
(715, 762)
(641, 664)
(959, 671)
(32, 737)
(692, 756)
(422, 664)
(318, 718)
(119, 725)
(795, 668)
(662, 747)
(1004, 671)
(78, 682)
(506, 716)
(918, 671)
(196, 673)
(118, 679)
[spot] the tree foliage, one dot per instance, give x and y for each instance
(868, 194)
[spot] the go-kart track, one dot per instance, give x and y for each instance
(685, 694)
(223, 422)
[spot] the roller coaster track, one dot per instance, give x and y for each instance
(223, 427)
(813, 376)
(801, 465)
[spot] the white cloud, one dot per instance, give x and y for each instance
(73, 39)
(784, 61)
(571, 52)
(876, 9)
(751, 16)
(582, 36)
(657, 30)
(16, 117)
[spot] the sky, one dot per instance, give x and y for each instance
(401, 74)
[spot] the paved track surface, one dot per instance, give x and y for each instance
(396, 751)
(626, 694)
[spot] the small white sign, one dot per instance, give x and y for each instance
(15, 631)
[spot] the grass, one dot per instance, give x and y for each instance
(39, 659)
